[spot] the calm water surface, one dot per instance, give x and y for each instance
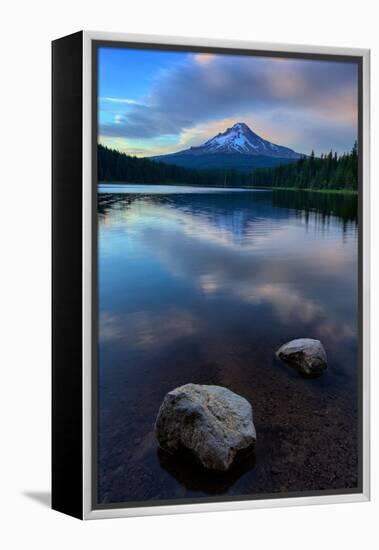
(203, 285)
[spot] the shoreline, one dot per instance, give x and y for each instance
(262, 188)
(328, 191)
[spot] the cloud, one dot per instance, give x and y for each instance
(204, 58)
(119, 100)
(145, 121)
(208, 87)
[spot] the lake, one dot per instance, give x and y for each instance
(203, 285)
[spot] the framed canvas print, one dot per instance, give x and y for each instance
(210, 275)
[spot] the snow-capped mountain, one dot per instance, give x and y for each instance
(238, 148)
(241, 139)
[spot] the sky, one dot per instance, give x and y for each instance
(157, 102)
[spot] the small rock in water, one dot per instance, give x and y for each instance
(210, 421)
(306, 355)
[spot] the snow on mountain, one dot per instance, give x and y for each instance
(241, 139)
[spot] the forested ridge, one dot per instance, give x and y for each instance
(119, 167)
(328, 171)
(325, 172)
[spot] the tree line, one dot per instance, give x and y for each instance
(119, 167)
(328, 171)
(325, 172)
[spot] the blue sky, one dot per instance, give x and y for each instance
(156, 102)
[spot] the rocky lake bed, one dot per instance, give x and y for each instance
(306, 438)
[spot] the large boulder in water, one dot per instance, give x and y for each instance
(306, 355)
(210, 421)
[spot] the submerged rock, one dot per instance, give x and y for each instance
(210, 421)
(306, 355)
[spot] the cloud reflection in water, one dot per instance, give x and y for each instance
(237, 248)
